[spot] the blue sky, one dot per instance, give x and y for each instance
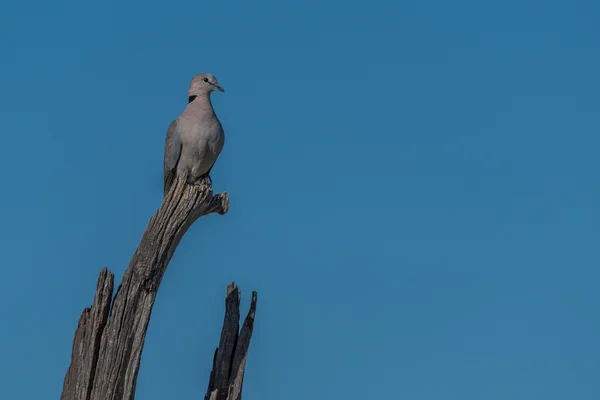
(413, 186)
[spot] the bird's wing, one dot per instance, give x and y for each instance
(172, 154)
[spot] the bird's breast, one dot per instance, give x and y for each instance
(201, 134)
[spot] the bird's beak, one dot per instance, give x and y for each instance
(219, 88)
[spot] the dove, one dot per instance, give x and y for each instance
(195, 139)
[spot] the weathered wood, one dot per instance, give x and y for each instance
(86, 344)
(229, 363)
(107, 349)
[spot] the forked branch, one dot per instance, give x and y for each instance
(107, 348)
(227, 375)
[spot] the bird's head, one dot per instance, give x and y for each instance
(203, 85)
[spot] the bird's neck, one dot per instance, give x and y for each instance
(200, 102)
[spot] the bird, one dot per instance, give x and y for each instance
(196, 138)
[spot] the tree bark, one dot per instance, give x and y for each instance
(229, 363)
(107, 347)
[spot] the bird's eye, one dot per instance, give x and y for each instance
(205, 79)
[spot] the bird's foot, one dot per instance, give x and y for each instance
(204, 179)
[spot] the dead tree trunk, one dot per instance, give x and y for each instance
(107, 346)
(227, 375)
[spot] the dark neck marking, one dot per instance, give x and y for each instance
(191, 98)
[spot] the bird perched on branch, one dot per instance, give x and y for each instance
(195, 139)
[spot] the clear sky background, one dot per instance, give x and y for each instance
(414, 192)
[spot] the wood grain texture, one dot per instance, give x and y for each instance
(229, 363)
(107, 348)
(86, 344)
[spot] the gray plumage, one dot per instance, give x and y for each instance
(195, 139)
